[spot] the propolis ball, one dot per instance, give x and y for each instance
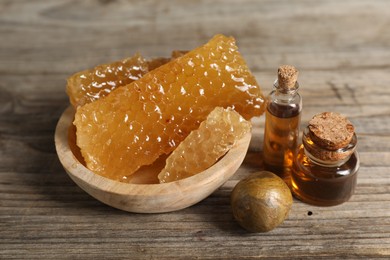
(261, 201)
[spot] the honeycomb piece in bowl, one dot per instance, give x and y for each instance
(205, 145)
(89, 85)
(138, 122)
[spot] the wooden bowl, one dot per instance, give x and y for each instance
(143, 194)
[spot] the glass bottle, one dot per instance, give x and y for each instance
(325, 166)
(283, 116)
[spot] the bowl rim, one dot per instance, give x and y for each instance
(77, 170)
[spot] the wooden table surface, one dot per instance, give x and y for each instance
(342, 49)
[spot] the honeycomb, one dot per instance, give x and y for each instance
(149, 117)
(205, 145)
(89, 85)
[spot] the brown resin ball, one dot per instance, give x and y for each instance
(261, 202)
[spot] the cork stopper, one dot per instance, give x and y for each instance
(330, 130)
(329, 137)
(287, 77)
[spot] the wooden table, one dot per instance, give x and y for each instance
(342, 49)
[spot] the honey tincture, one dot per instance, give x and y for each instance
(283, 116)
(325, 167)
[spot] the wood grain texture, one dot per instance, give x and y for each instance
(342, 49)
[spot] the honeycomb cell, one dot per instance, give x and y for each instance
(128, 149)
(205, 145)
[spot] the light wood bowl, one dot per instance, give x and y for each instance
(144, 194)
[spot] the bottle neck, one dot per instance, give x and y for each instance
(285, 96)
(281, 90)
(325, 157)
(282, 98)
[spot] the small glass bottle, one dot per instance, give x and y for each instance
(283, 116)
(325, 166)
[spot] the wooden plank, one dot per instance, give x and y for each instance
(341, 48)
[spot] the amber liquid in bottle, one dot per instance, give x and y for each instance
(321, 185)
(282, 121)
(325, 167)
(281, 137)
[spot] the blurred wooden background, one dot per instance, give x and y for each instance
(342, 49)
